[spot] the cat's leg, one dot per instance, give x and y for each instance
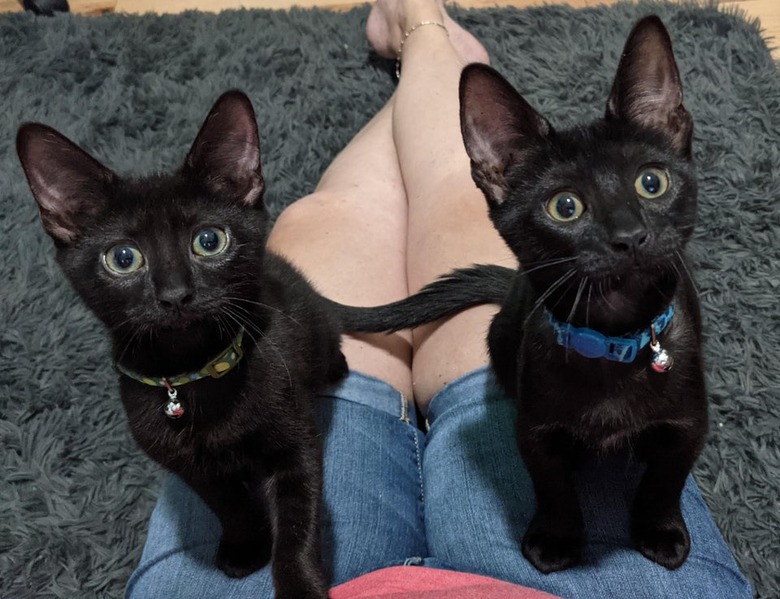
(338, 367)
(555, 536)
(246, 533)
(448, 224)
(657, 526)
(293, 489)
(505, 337)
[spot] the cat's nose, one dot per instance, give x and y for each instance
(628, 239)
(628, 231)
(174, 296)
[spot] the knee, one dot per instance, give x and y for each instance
(192, 573)
(306, 211)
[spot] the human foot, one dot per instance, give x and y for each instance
(390, 20)
(468, 47)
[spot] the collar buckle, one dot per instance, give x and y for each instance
(592, 344)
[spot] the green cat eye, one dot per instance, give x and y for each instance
(209, 242)
(123, 259)
(652, 183)
(565, 207)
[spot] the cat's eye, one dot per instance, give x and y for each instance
(123, 259)
(565, 207)
(209, 241)
(652, 183)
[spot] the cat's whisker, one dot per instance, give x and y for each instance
(562, 295)
(550, 290)
(241, 322)
(546, 264)
(232, 298)
(224, 328)
(132, 339)
(587, 304)
(580, 289)
(243, 318)
(249, 326)
(604, 296)
(508, 261)
(687, 271)
(250, 314)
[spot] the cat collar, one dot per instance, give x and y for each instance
(592, 344)
(215, 368)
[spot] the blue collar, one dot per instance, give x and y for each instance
(592, 344)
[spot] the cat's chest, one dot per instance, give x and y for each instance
(604, 406)
(218, 427)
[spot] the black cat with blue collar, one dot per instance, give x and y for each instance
(599, 338)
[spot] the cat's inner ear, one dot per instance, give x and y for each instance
(497, 126)
(647, 90)
(226, 152)
(68, 184)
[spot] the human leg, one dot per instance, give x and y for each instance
(349, 238)
(448, 222)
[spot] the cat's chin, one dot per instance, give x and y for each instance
(616, 277)
(180, 322)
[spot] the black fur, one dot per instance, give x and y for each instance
(613, 269)
(453, 292)
(246, 442)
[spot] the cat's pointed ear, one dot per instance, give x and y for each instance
(226, 152)
(497, 126)
(68, 184)
(647, 89)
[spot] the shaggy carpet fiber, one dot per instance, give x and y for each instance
(76, 493)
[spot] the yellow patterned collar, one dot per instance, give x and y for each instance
(216, 368)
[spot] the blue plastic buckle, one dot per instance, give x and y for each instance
(592, 344)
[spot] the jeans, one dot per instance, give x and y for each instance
(455, 497)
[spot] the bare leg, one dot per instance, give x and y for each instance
(448, 221)
(349, 239)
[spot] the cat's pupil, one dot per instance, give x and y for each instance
(651, 182)
(209, 240)
(566, 207)
(124, 257)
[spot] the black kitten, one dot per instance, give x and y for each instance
(175, 267)
(221, 344)
(598, 216)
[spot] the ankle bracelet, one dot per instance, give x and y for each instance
(406, 35)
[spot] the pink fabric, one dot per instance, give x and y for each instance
(414, 582)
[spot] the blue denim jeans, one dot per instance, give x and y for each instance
(456, 497)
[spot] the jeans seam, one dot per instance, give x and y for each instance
(404, 409)
(418, 457)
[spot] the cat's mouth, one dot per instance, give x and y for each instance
(181, 320)
(616, 276)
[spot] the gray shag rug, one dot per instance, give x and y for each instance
(75, 493)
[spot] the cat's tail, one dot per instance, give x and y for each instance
(453, 292)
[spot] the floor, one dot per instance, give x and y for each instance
(768, 11)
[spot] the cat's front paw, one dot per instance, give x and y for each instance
(551, 548)
(665, 541)
(239, 559)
